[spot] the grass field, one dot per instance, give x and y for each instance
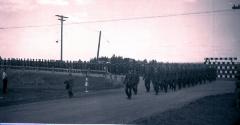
(30, 86)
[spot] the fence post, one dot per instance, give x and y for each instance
(86, 82)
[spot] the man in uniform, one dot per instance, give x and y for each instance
(147, 79)
(135, 81)
(155, 80)
(128, 82)
(69, 85)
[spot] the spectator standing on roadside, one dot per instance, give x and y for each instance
(5, 80)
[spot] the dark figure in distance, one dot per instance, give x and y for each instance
(69, 85)
(147, 81)
(5, 81)
(135, 82)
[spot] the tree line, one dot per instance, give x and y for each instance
(114, 65)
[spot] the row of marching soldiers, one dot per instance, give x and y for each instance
(165, 77)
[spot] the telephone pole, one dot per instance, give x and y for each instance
(99, 41)
(61, 18)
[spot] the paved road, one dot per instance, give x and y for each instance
(110, 106)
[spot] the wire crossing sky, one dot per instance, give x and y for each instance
(169, 31)
(124, 19)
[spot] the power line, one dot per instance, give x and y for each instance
(125, 19)
(151, 17)
(30, 26)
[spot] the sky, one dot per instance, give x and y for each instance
(30, 29)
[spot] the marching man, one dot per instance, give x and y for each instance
(69, 86)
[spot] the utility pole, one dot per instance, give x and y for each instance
(99, 41)
(61, 18)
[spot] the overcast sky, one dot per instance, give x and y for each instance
(182, 38)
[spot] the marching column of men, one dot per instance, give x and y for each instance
(165, 77)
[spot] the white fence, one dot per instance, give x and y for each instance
(226, 67)
(70, 70)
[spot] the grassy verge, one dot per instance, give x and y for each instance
(32, 86)
(212, 110)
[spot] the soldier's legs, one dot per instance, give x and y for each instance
(156, 88)
(184, 83)
(128, 92)
(170, 85)
(188, 83)
(161, 86)
(135, 89)
(166, 86)
(191, 81)
(201, 80)
(174, 86)
(70, 94)
(204, 80)
(179, 84)
(147, 85)
(4, 86)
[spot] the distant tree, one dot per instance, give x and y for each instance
(80, 61)
(145, 61)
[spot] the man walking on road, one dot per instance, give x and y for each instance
(128, 82)
(5, 80)
(69, 85)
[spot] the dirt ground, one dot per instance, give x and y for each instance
(26, 95)
(210, 110)
(109, 106)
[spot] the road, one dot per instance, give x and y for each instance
(110, 106)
